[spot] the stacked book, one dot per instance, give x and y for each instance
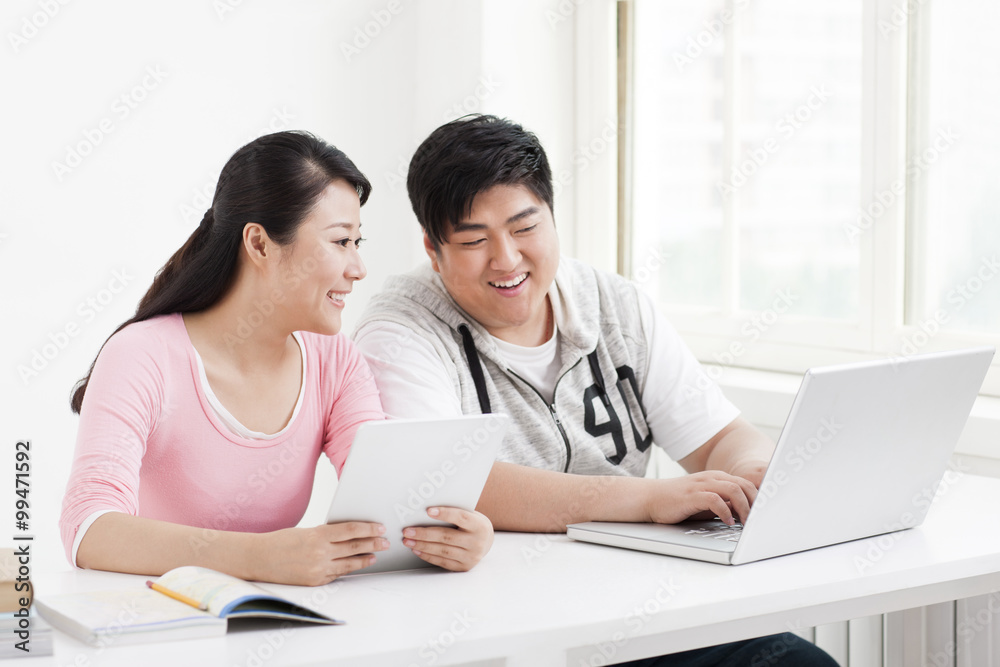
(24, 633)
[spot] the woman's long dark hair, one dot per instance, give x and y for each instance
(275, 181)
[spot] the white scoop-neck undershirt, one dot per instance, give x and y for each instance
(230, 421)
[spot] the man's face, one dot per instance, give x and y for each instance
(499, 262)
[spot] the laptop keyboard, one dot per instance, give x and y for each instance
(719, 531)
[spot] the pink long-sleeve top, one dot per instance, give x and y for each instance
(150, 444)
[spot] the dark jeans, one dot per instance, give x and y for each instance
(784, 650)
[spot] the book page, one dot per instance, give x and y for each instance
(125, 612)
(227, 596)
(215, 590)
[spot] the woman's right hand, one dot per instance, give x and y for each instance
(317, 556)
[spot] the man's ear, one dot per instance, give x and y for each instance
(431, 252)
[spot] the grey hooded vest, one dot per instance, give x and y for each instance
(596, 424)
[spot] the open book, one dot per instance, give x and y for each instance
(146, 615)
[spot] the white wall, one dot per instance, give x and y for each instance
(224, 75)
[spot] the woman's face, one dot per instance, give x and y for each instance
(319, 267)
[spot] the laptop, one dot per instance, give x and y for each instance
(398, 468)
(861, 454)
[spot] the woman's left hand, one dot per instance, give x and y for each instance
(456, 549)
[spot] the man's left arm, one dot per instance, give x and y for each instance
(682, 402)
(740, 449)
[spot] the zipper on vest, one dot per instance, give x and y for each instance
(569, 453)
(552, 408)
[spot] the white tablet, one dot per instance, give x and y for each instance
(398, 468)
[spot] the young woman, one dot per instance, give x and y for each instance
(203, 417)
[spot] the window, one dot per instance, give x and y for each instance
(953, 167)
(814, 180)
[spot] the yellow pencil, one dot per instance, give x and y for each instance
(177, 596)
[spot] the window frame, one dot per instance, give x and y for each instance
(889, 113)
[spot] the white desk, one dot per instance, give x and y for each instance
(546, 600)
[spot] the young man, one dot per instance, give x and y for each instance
(589, 372)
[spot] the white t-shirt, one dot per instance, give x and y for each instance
(413, 383)
(227, 417)
(538, 365)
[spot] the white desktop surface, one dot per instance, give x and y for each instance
(547, 600)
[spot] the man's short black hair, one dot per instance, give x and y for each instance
(468, 156)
